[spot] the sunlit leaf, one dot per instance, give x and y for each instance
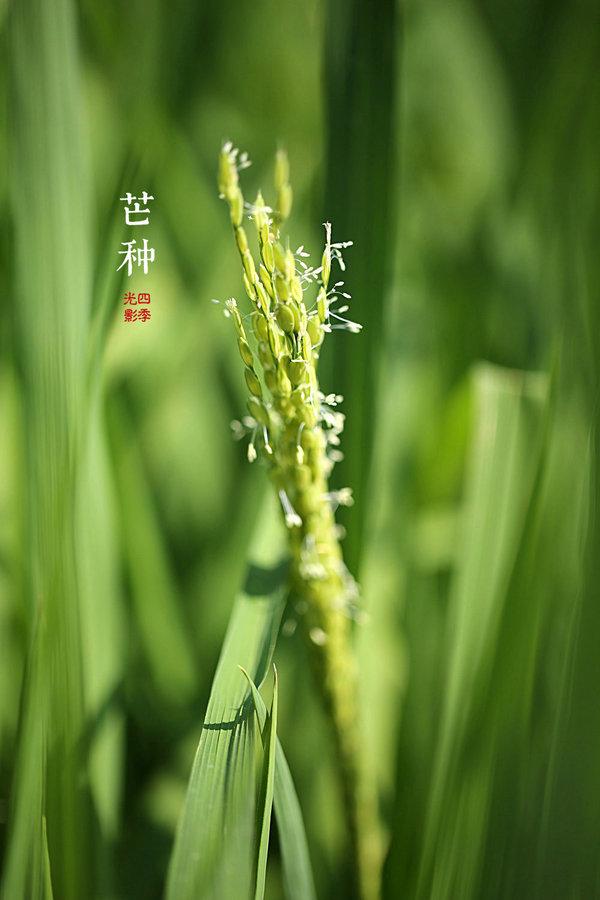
(297, 872)
(214, 852)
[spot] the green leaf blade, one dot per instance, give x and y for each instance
(214, 845)
(267, 790)
(297, 870)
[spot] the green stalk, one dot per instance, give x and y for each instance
(296, 429)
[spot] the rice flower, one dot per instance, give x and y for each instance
(295, 430)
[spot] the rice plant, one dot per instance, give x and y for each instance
(297, 431)
(229, 680)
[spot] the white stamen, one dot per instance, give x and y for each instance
(268, 447)
(292, 519)
(237, 429)
(343, 497)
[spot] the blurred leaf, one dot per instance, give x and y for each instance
(46, 891)
(102, 628)
(297, 871)
(361, 60)
(457, 126)
(213, 854)
(12, 599)
(50, 205)
(479, 707)
(165, 641)
(23, 860)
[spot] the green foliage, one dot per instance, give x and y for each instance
(214, 851)
(294, 850)
(362, 62)
(457, 145)
(493, 631)
(267, 784)
(53, 290)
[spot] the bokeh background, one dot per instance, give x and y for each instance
(457, 145)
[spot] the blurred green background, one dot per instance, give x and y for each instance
(457, 145)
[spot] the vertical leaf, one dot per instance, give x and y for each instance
(102, 625)
(214, 854)
(166, 644)
(361, 55)
(480, 710)
(53, 273)
(297, 872)
(269, 741)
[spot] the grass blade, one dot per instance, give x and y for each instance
(165, 641)
(213, 852)
(50, 203)
(297, 870)
(265, 807)
(361, 75)
(487, 614)
(102, 629)
(46, 892)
